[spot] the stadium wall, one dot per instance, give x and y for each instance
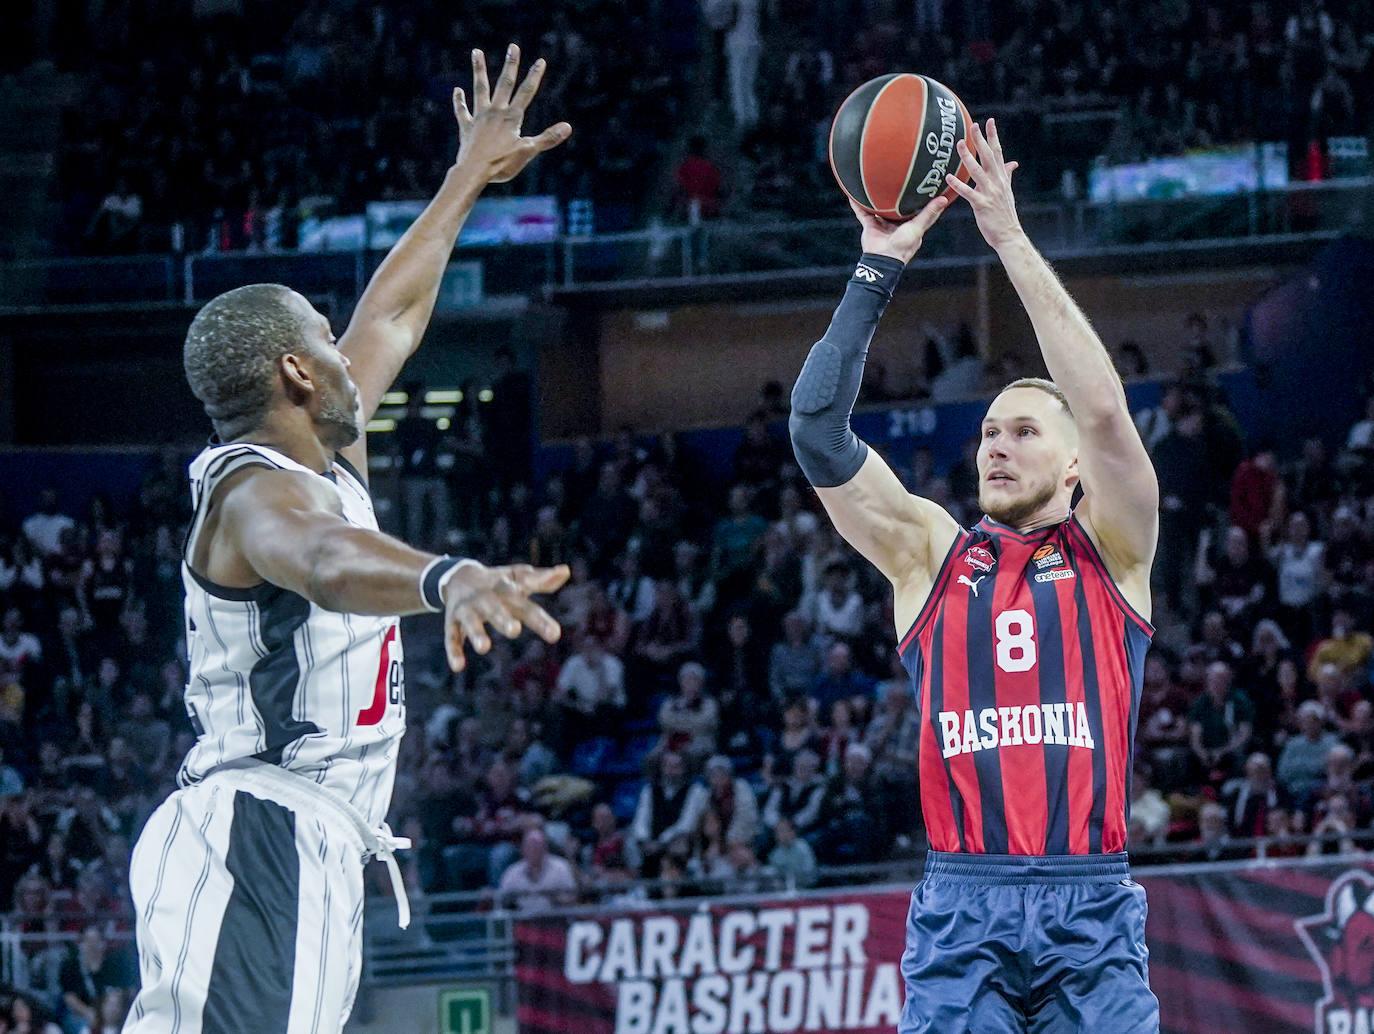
(702, 365)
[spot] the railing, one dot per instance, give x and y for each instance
(664, 254)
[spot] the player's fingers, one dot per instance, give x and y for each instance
(502, 615)
(970, 161)
(460, 108)
(505, 83)
(481, 89)
(526, 579)
(994, 141)
(926, 217)
(980, 142)
(529, 87)
(473, 629)
(538, 620)
(961, 188)
(551, 137)
(453, 645)
(1012, 166)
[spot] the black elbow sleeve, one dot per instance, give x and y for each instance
(823, 398)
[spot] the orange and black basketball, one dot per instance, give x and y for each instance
(893, 143)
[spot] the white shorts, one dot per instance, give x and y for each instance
(250, 911)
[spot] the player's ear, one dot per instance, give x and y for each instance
(296, 377)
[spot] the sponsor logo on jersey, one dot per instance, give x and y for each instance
(967, 732)
(1053, 576)
(979, 559)
(1047, 556)
(1341, 942)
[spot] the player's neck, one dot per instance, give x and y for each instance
(293, 440)
(1052, 514)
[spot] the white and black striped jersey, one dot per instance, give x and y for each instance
(276, 678)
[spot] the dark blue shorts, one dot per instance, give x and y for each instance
(1009, 943)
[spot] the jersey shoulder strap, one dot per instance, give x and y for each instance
(214, 465)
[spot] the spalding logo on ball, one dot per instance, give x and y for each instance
(893, 143)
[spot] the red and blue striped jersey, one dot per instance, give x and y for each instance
(1026, 662)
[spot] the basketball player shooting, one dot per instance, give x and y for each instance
(248, 880)
(1025, 640)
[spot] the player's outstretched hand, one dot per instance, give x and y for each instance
(477, 596)
(897, 240)
(489, 137)
(994, 207)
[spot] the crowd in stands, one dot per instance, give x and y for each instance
(225, 126)
(726, 709)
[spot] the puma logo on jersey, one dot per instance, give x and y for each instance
(963, 732)
(971, 584)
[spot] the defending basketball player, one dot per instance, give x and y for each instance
(248, 881)
(1025, 638)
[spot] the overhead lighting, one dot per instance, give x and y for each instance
(485, 395)
(444, 397)
(381, 426)
(442, 423)
(395, 398)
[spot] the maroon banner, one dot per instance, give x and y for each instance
(1278, 950)
(1283, 950)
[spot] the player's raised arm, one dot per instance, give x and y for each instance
(283, 527)
(394, 311)
(903, 535)
(1120, 509)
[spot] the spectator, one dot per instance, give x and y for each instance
(735, 540)
(539, 881)
(839, 735)
(1250, 799)
(1340, 780)
(612, 857)
(1334, 829)
(531, 759)
(590, 689)
(667, 811)
(43, 529)
(1222, 721)
(799, 732)
(731, 800)
(1335, 695)
(838, 611)
(1299, 565)
(792, 857)
(1237, 581)
(690, 720)
(854, 829)
(1256, 492)
(26, 1018)
(1149, 811)
(894, 738)
(839, 680)
(740, 673)
(794, 662)
(89, 973)
(1347, 649)
(1185, 479)
(759, 458)
(798, 798)
(1214, 842)
(666, 638)
(698, 183)
(1302, 764)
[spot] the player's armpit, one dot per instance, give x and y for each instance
(286, 527)
(1120, 507)
(901, 534)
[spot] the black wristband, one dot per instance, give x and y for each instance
(878, 273)
(431, 579)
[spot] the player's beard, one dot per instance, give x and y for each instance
(1014, 513)
(339, 420)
